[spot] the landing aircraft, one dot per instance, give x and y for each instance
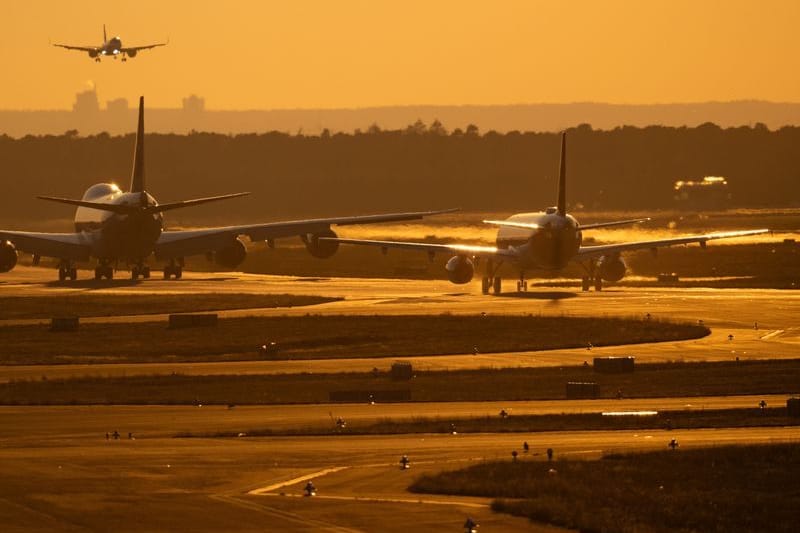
(546, 240)
(115, 226)
(110, 48)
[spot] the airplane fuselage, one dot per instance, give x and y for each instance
(129, 237)
(112, 47)
(550, 246)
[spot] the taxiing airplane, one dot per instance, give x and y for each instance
(115, 226)
(110, 48)
(543, 241)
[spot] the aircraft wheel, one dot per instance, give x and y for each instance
(585, 284)
(146, 272)
(598, 284)
(497, 284)
(62, 274)
(98, 273)
(135, 273)
(178, 272)
(485, 285)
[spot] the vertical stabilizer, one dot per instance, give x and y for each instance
(105, 39)
(137, 176)
(562, 177)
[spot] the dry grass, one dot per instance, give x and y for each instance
(323, 337)
(730, 489)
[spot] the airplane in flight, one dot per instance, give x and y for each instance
(110, 48)
(115, 227)
(546, 240)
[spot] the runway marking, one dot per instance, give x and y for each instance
(317, 525)
(385, 500)
(293, 481)
(771, 335)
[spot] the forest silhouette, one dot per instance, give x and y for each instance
(419, 167)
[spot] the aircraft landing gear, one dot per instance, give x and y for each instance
(491, 280)
(67, 271)
(522, 285)
(103, 271)
(592, 277)
(140, 270)
(174, 269)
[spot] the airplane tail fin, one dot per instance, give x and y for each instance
(562, 177)
(105, 40)
(137, 176)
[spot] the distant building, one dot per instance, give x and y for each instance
(86, 102)
(194, 104)
(118, 105)
(709, 193)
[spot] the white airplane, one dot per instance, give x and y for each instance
(110, 48)
(543, 241)
(115, 226)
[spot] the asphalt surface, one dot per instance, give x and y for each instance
(60, 472)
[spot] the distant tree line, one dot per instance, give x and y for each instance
(418, 167)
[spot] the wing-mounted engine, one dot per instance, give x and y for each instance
(93, 53)
(8, 256)
(231, 255)
(131, 53)
(460, 269)
(321, 249)
(611, 267)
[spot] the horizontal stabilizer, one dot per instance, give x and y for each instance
(614, 223)
(512, 224)
(114, 208)
(190, 203)
(125, 209)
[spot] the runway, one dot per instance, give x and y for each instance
(762, 322)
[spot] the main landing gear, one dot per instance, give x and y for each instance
(173, 269)
(491, 280)
(103, 270)
(140, 270)
(66, 270)
(522, 284)
(591, 278)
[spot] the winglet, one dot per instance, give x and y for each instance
(137, 176)
(105, 40)
(562, 177)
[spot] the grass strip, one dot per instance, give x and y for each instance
(732, 489)
(510, 384)
(328, 337)
(100, 305)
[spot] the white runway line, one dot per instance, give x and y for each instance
(300, 479)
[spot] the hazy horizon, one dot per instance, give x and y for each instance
(355, 54)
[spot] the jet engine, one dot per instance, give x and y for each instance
(460, 269)
(93, 53)
(611, 267)
(232, 255)
(8, 256)
(131, 53)
(321, 249)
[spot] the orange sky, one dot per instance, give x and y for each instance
(347, 53)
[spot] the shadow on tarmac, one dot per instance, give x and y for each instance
(539, 295)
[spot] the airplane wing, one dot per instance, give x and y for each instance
(73, 246)
(431, 248)
(135, 49)
(192, 242)
(81, 48)
(586, 252)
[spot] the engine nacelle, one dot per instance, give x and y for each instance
(611, 267)
(8, 256)
(460, 269)
(321, 249)
(131, 53)
(232, 255)
(92, 53)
